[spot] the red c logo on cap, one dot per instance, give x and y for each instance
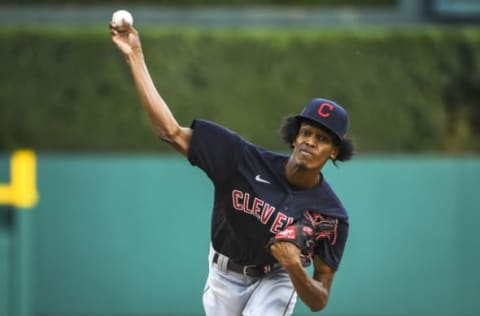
(325, 109)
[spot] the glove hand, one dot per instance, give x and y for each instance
(286, 253)
(303, 234)
(323, 227)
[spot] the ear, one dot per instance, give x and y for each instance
(292, 145)
(334, 152)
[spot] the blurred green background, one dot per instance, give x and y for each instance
(122, 224)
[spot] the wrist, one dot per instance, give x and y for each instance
(135, 55)
(291, 263)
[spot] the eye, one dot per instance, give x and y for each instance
(323, 139)
(306, 132)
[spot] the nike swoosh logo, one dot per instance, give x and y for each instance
(259, 179)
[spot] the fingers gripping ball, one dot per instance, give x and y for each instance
(121, 19)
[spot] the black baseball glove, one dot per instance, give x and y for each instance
(305, 232)
(323, 227)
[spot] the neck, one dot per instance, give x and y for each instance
(300, 177)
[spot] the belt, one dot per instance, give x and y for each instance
(247, 270)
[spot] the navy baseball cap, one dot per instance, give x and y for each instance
(329, 115)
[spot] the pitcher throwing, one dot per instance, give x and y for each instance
(273, 214)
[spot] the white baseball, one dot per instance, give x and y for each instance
(121, 19)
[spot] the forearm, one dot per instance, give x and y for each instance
(163, 122)
(312, 292)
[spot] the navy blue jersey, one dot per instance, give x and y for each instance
(253, 199)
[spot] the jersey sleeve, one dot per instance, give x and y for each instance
(215, 149)
(331, 250)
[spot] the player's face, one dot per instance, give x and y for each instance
(313, 147)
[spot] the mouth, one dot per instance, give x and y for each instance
(305, 153)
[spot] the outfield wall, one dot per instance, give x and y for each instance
(129, 235)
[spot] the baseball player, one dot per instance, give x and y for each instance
(273, 214)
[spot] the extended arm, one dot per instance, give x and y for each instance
(314, 292)
(163, 122)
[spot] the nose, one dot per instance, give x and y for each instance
(310, 141)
